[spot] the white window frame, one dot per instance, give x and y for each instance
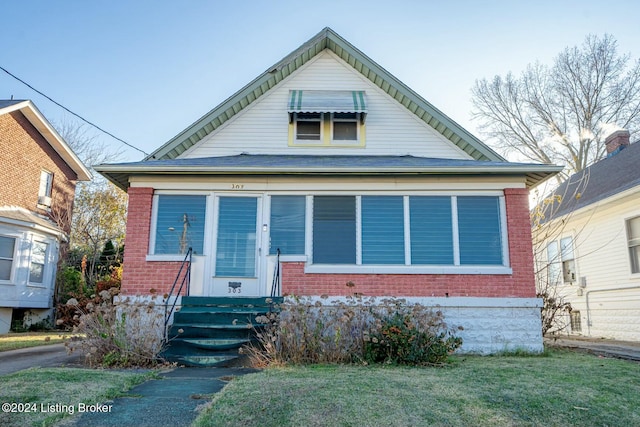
(46, 184)
(13, 259)
(407, 268)
(566, 264)
(631, 245)
(45, 263)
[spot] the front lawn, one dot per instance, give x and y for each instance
(41, 397)
(563, 389)
(16, 340)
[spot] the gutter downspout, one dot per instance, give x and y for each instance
(602, 290)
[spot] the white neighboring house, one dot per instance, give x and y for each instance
(590, 244)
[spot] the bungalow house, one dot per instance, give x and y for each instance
(328, 171)
(588, 244)
(39, 172)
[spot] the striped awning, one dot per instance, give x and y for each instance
(327, 101)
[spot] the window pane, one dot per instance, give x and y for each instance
(236, 248)
(431, 230)
(334, 230)
(382, 230)
(345, 131)
(308, 130)
(46, 181)
(287, 225)
(6, 247)
(38, 256)
(479, 230)
(566, 248)
(633, 231)
(554, 267)
(5, 269)
(180, 224)
(634, 252)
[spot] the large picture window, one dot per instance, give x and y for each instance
(180, 222)
(287, 225)
(414, 230)
(7, 249)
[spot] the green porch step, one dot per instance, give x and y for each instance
(208, 331)
(231, 301)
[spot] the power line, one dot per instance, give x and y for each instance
(77, 115)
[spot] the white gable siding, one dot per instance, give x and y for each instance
(612, 292)
(262, 128)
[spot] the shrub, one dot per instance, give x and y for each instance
(307, 332)
(126, 334)
(403, 338)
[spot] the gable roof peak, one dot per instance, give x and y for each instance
(326, 39)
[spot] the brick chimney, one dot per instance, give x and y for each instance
(617, 141)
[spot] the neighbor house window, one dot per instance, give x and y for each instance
(45, 189)
(575, 321)
(7, 249)
(38, 258)
(413, 230)
(633, 239)
(46, 184)
(180, 222)
(561, 265)
(287, 225)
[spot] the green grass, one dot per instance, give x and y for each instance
(16, 340)
(563, 389)
(64, 386)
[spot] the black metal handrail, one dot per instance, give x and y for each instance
(186, 278)
(275, 284)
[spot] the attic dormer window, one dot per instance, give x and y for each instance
(326, 118)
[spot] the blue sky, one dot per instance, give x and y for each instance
(145, 70)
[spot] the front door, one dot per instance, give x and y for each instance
(237, 243)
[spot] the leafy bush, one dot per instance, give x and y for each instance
(350, 331)
(126, 334)
(400, 339)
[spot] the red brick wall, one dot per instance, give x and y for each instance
(24, 153)
(139, 276)
(519, 284)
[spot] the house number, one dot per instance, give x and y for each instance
(237, 186)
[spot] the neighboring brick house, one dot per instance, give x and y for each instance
(360, 184)
(39, 173)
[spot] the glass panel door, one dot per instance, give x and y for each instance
(236, 242)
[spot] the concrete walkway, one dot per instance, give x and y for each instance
(627, 350)
(172, 400)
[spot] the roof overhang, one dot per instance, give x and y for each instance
(42, 125)
(121, 174)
